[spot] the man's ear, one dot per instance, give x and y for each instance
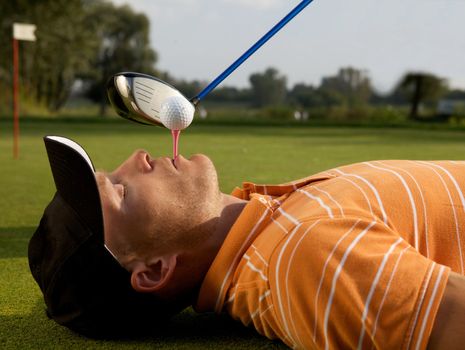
(151, 278)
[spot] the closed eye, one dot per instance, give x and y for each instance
(121, 190)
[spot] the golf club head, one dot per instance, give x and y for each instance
(139, 97)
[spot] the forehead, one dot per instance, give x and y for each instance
(102, 180)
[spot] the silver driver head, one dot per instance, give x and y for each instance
(139, 97)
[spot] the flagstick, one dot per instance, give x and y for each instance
(21, 31)
(15, 99)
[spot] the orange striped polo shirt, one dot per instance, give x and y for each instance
(354, 257)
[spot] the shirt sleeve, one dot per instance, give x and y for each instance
(354, 283)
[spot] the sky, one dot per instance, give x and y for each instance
(198, 39)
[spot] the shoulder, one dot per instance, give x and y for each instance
(310, 244)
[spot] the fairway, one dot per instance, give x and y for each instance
(256, 153)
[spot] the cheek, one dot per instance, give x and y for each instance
(114, 237)
(207, 186)
(108, 223)
(141, 213)
(197, 201)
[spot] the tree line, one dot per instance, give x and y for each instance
(349, 87)
(87, 41)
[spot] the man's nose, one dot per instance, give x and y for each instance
(138, 162)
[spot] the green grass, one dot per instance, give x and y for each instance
(258, 153)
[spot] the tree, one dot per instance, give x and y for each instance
(455, 94)
(306, 96)
(268, 88)
(87, 39)
(309, 96)
(229, 94)
(123, 45)
(353, 85)
(421, 87)
(64, 46)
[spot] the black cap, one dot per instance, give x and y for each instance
(84, 287)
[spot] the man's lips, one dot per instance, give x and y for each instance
(177, 161)
(167, 162)
(151, 163)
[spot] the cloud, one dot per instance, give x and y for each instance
(255, 4)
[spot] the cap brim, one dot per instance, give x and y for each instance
(74, 176)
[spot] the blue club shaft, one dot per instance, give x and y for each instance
(251, 51)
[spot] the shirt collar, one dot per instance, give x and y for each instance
(263, 200)
(253, 218)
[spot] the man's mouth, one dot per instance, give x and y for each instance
(176, 161)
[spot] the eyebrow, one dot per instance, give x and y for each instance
(102, 172)
(101, 176)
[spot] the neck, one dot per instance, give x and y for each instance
(194, 263)
(232, 208)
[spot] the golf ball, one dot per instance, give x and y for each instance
(176, 113)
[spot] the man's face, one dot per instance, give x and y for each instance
(149, 200)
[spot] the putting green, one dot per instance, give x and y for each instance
(260, 154)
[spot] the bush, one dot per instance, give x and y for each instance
(458, 118)
(278, 113)
(388, 115)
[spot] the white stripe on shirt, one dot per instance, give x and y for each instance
(320, 202)
(288, 216)
(331, 199)
(279, 225)
(279, 292)
(457, 229)
(388, 286)
(236, 258)
(373, 188)
(362, 191)
(428, 309)
(335, 278)
(421, 298)
(425, 213)
(410, 197)
(372, 290)
(323, 273)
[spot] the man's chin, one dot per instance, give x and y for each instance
(206, 165)
(200, 158)
(197, 160)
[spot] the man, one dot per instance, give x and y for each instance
(363, 256)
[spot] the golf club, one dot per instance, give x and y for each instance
(145, 99)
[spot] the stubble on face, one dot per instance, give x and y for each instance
(195, 208)
(171, 210)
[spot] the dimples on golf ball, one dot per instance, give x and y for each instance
(176, 113)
